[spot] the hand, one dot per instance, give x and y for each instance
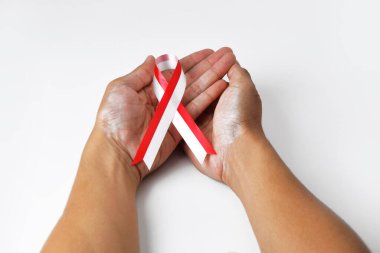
(236, 115)
(129, 101)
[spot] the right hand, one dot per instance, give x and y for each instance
(237, 115)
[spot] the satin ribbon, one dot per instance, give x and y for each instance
(170, 109)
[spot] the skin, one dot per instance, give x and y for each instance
(284, 215)
(101, 216)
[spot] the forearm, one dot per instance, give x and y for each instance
(284, 215)
(100, 215)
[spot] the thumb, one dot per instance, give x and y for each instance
(139, 77)
(239, 77)
(145, 71)
(236, 72)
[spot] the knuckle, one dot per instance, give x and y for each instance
(115, 82)
(190, 76)
(244, 71)
(111, 85)
(196, 89)
(192, 109)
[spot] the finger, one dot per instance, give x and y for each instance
(215, 72)
(139, 77)
(142, 75)
(189, 61)
(196, 71)
(200, 104)
(193, 59)
(197, 106)
(239, 76)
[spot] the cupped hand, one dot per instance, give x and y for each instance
(236, 114)
(129, 101)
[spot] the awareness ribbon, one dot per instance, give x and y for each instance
(170, 109)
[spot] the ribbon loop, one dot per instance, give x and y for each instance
(170, 109)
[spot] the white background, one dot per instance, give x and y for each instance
(316, 65)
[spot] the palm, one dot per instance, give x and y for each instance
(136, 112)
(216, 125)
(238, 109)
(130, 102)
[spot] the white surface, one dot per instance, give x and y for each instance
(316, 65)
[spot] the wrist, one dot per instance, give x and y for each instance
(243, 157)
(104, 155)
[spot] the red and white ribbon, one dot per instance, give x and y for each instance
(170, 109)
